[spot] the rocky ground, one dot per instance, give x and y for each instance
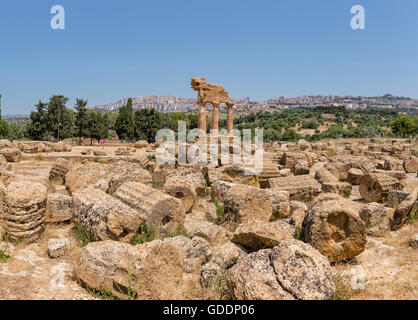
(32, 275)
(328, 220)
(390, 269)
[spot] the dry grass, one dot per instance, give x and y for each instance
(343, 291)
(390, 267)
(180, 231)
(220, 288)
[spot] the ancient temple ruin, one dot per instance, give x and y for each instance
(214, 94)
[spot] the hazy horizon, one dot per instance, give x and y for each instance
(71, 105)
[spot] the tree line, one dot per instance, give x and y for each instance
(53, 121)
(143, 124)
(287, 125)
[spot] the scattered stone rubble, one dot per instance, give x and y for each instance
(375, 187)
(104, 216)
(152, 270)
(162, 212)
(57, 247)
(215, 230)
(334, 228)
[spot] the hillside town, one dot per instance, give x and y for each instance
(169, 103)
(177, 104)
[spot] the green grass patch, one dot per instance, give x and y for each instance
(272, 218)
(4, 256)
(82, 234)
(413, 214)
(346, 194)
(157, 185)
(207, 180)
(3, 248)
(223, 286)
(180, 231)
(300, 235)
(5, 237)
(145, 234)
(18, 240)
(105, 294)
(219, 211)
(151, 157)
(129, 292)
(219, 208)
(343, 291)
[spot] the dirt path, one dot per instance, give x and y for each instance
(389, 266)
(31, 275)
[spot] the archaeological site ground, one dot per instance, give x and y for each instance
(334, 219)
(208, 159)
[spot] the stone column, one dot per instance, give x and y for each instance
(215, 117)
(201, 118)
(230, 118)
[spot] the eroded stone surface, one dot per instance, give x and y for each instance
(334, 228)
(153, 270)
(57, 247)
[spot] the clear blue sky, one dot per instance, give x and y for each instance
(261, 49)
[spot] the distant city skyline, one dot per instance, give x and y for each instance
(174, 103)
(169, 103)
(258, 49)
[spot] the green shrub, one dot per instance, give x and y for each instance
(413, 214)
(130, 291)
(300, 233)
(157, 185)
(145, 234)
(81, 234)
(4, 256)
(207, 181)
(219, 208)
(310, 124)
(4, 129)
(104, 294)
(180, 231)
(342, 290)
